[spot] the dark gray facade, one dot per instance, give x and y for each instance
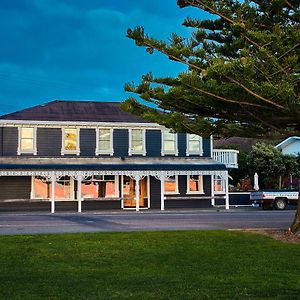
(15, 188)
(49, 142)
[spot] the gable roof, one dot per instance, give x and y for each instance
(287, 142)
(82, 111)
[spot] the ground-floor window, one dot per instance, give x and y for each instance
(99, 186)
(219, 186)
(194, 184)
(171, 185)
(63, 188)
(42, 188)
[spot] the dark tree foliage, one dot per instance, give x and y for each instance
(242, 76)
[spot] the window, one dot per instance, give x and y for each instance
(40, 188)
(218, 184)
(194, 145)
(137, 141)
(104, 144)
(70, 143)
(64, 188)
(171, 185)
(99, 186)
(27, 140)
(194, 184)
(169, 143)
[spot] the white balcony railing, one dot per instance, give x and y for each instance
(227, 157)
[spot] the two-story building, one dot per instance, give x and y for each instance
(94, 155)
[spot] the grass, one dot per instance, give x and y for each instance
(148, 265)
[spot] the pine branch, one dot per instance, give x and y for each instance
(255, 94)
(225, 99)
(289, 51)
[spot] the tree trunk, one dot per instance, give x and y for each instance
(295, 227)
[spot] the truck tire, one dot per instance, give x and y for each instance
(280, 204)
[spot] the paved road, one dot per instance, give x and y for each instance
(133, 221)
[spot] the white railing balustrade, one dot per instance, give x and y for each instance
(227, 157)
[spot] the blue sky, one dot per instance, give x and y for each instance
(77, 49)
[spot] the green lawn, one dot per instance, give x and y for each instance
(148, 265)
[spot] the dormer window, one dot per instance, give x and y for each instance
(27, 140)
(104, 143)
(70, 141)
(194, 145)
(169, 143)
(137, 141)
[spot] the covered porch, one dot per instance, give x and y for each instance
(133, 180)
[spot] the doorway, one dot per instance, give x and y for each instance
(128, 192)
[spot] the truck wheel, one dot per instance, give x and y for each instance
(280, 204)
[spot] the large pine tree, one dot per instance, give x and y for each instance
(242, 76)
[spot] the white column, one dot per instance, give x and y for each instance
(53, 180)
(137, 193)
(162, 193)
(212, 191)
(226, 192)
(79, 196)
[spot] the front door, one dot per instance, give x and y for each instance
(129, 200)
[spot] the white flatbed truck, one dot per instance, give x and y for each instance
(274, 199)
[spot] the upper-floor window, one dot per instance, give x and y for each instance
(169, 143)
(194, 145)
(137, 141)
(194, 184)
(27, 140)
(104, 142)
(171, 185)
(70, 141)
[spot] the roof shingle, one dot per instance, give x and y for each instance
(82, 111)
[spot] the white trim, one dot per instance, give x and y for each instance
(31, 151)
(148, 190)
(111, 149)
(137, 194)
(59, 124)
(163, 151)
(79, 192)
(53, 180)
(135, 152)
(188, 151)
(63, 136)
(211, 140)
(188, 191)
(32, 190)
(226, 192)
(176, 192)
(212, 190)
(122, 192)
(132, 173)
(162, 192)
